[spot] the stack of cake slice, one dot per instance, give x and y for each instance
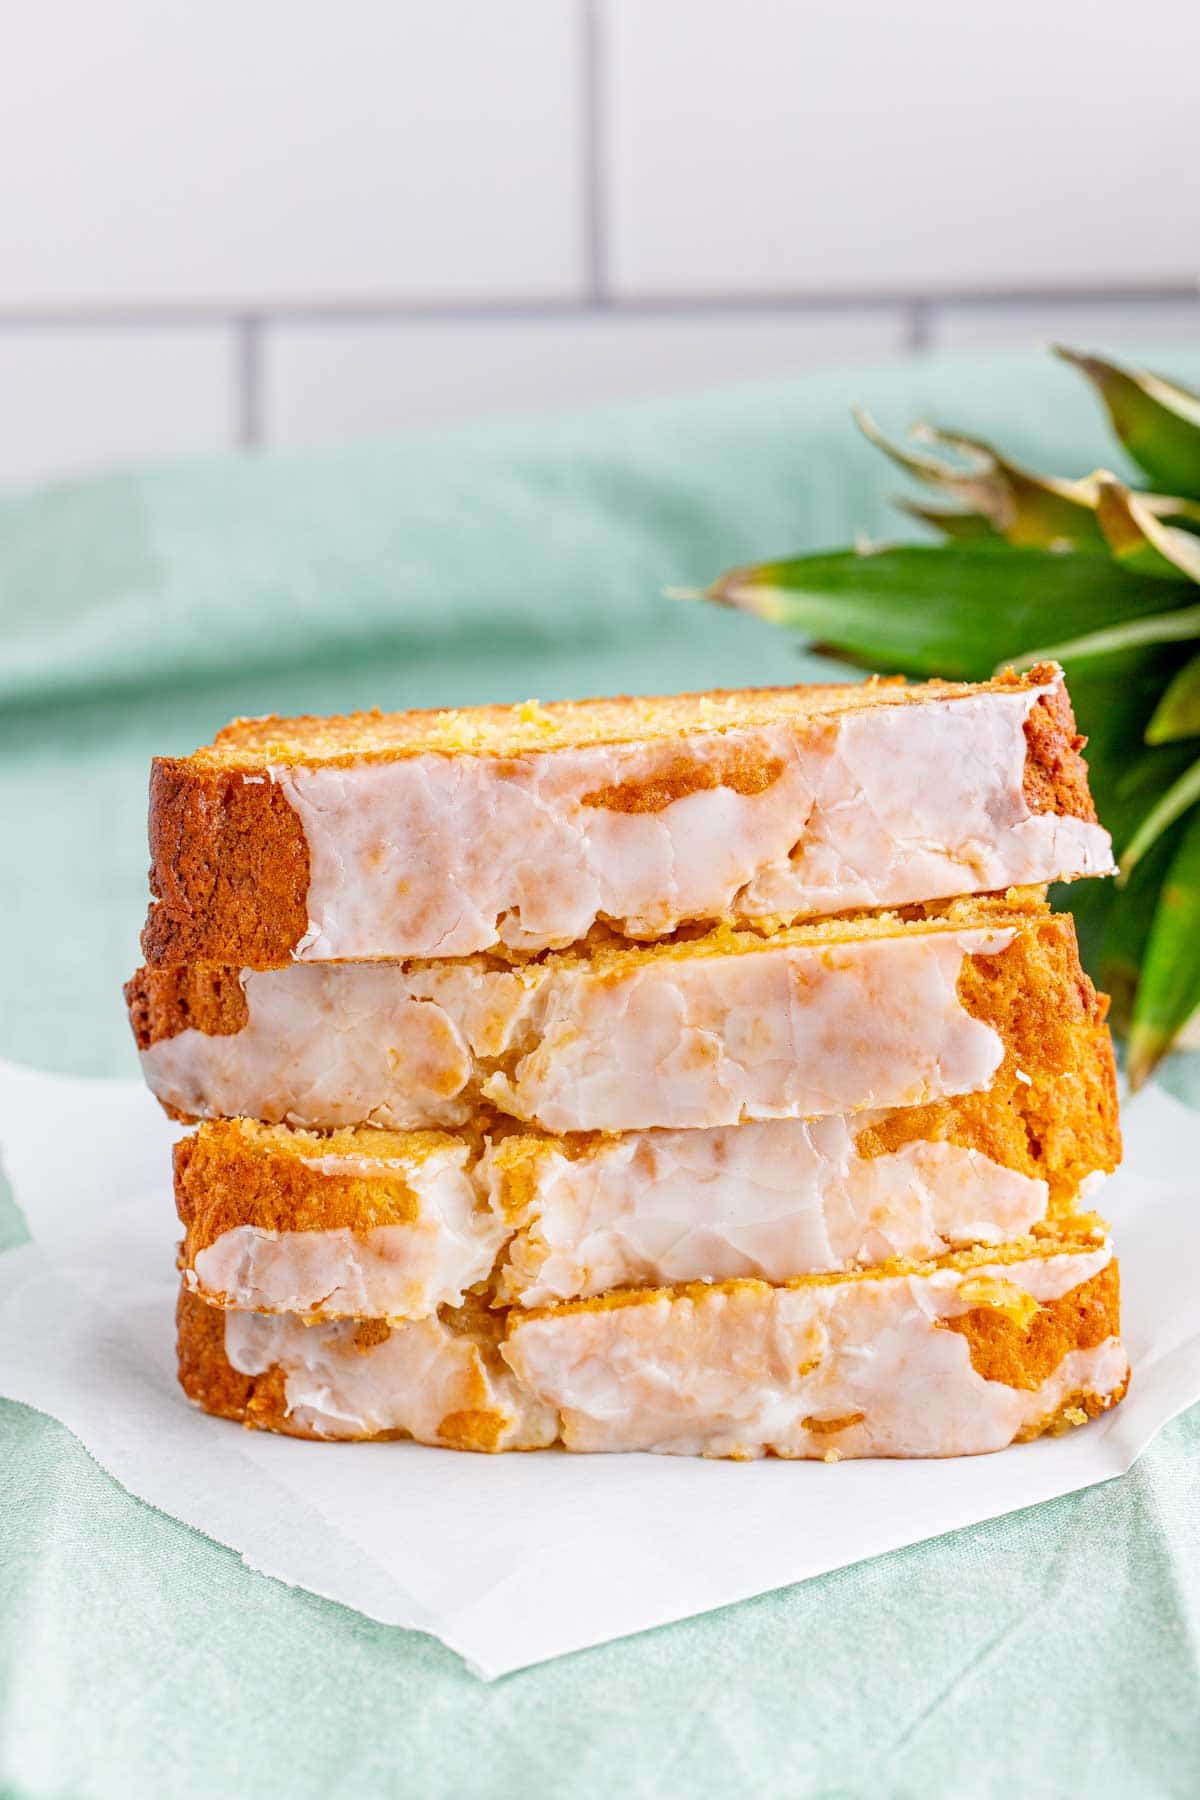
(703, 1075)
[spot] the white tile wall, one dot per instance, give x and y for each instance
(774, 146)
(324, 381)
(1098, 325)
(160, 150)
(428, 210)
(80, 397)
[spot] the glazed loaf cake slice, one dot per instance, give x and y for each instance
(443, 834)
(366, 1223)
(948, 1358)
(816, 1019)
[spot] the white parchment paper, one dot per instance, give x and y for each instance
(509, 1559)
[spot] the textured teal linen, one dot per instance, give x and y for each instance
(1058, 1650)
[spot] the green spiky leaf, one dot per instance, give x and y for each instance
(1177, 627)
(923, 609)
(1168, 991)
(1157, 420)
(1114, 701)
(1043, 511)
(975, 485)
(1179, 797)
(1023, 507)
(1138, 537)
(1177, 714)
(953, 523)
(1127, 928)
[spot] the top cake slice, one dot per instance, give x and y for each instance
(440, 834)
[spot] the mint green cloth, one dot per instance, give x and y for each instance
(1056, 1651)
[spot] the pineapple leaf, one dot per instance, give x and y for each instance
(1168, 992)
(1162, 506)
(1182, 793)
(1023, 507)
(1045, 511)
(1177, 714)
(1127, 927)
(1140, 540)
(977, 485)
(1158, 628)
(927, 609)
(960, 527)
(1114, 700)
(1157, 420)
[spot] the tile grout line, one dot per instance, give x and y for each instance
(918, 327)
(248, 380)
(253, 317)
(593, 97)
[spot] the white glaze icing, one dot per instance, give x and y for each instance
(779, 1031)
(771, 1200)
(735, 1372)
(738, 1372)
(443, 855)
(399, 1271)
(324, 1046)
(418, 1377)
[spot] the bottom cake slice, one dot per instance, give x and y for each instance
(967, 1354)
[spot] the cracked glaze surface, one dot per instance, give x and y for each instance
(400, 1271)
(857, 1367)
(437, 855)
(783, 1030)
(772, 1200)
(418, 1380)
(861, 1368)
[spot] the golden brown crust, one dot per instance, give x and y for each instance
(1024, 1355)
(473, 1428)
(1055, 1128)
(205, 1373)
(1051, 1110)
(208, 1377)
(229, 858)
(229, 867)
(827, 1427)
(260, 1401)
(510, 731)
(369, 1332)
(203, 996)
(1056, 775)
(233, 1172)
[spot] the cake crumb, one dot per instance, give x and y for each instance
(832, 1456)
(999, 1295)
(532, 712)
